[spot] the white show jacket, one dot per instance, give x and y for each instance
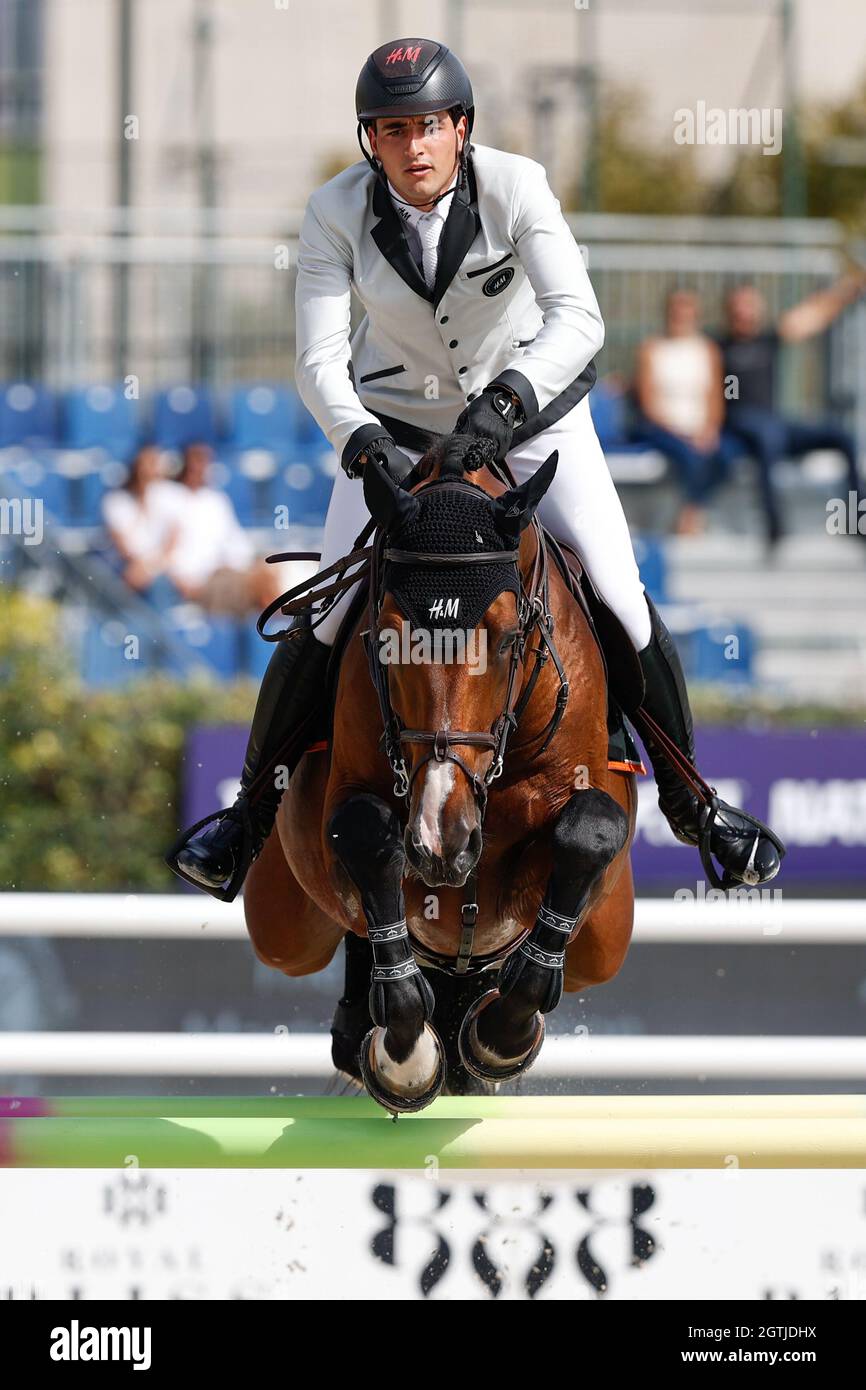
(512, 302)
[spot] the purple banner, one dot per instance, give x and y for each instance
(810, 787)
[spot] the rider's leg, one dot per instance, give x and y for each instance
(290, 691)
(582, 508)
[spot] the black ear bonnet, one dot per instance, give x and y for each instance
(450, 520)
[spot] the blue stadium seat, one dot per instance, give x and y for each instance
(108, 656)
(305, 485)
(84, 481)
(34, 474)
(257, 654)
(213, 640)
(265, 417)
(309, 432)
(723, 652)
(650, 557)
(610, 410)
(28, 415)
(184, 415)
(100, 417)
(251, 485)
(607, 408)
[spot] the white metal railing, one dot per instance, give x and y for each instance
(760, 920)
(286, 1056)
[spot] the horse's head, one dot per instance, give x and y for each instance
(448, 616)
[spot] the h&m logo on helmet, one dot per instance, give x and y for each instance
(404, 55)
(496, 284)
(444, 608)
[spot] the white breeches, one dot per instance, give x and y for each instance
(581, 507)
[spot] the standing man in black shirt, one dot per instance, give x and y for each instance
(750, 353)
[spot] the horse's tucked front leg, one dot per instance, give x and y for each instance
(401, 1058)
(503, 1032)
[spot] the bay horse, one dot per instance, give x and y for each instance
(490, 833)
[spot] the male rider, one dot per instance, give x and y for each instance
(480, 318)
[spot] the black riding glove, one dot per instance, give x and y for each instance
(395, 461)
(482, 417)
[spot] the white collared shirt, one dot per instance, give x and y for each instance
(412, 216)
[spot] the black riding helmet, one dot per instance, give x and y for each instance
(411, 77)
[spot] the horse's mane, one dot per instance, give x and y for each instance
(456, 454)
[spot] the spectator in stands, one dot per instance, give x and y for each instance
(214, 562)
(679, 393)
(750, 354)
(142, 520)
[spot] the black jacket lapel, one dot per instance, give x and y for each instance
(461, 228)
(391, 241)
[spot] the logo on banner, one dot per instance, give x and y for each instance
(509, 1228)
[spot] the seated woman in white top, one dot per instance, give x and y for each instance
(142, 520)
(679, 386)
(214, 563)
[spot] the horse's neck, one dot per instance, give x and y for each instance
(543, 698)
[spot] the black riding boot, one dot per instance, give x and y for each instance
(217, 854)
(746, 848)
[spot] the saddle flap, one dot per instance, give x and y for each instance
(625, 677)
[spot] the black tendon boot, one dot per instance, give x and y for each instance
(748, 850)
(352, 1017)
(216, 854)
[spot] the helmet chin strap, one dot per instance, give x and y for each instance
(378, 170)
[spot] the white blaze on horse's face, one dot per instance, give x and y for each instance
(438, 784)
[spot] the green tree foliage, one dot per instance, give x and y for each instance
(640, 174)
(834, 137)
(89, 780)
(636, 174)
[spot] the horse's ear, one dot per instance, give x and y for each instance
(513, 511)
(388, 503)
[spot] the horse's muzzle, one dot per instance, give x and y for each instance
(451, 868)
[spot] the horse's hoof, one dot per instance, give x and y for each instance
(409, 1098)
(469, 1046)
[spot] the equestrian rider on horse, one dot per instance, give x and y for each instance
(480, 319)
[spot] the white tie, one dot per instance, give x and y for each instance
(429, 228)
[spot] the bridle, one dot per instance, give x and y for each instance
(533, 612)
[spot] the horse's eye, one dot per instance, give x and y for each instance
(507, 642)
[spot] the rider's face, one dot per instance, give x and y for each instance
(418, 153)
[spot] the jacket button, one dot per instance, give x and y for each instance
(444, 318)
(461, 370)
(453, 343)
